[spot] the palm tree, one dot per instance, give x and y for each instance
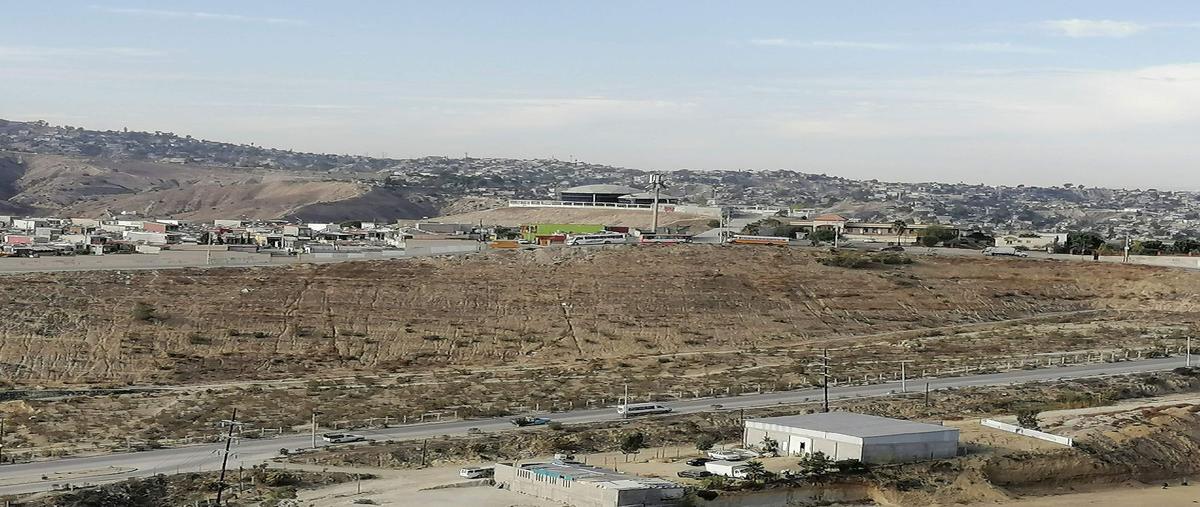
(755, 471)
(901, 226)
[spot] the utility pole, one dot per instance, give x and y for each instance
(824, 365)
(904, 375)
(1, 441)
(656, 183)
(314, 428)
(927, 395)
(625, 402)
(225, 459)
(1187, 362)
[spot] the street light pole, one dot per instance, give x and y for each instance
(1187, 361)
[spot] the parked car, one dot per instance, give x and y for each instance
(476, 472)
(747, 453)
(698, 462)
(893, 248)
(725, 455)
(531, 421)
(694, 474)
(342, 438)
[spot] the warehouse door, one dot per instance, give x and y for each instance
(797, 446)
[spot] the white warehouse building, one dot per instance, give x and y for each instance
(846, 435)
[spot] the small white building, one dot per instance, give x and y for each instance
(846, 435)
(580, 485)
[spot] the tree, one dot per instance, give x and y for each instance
(822, 235)
(1081, 242)
(705, 442)
(850, 467)
(815, 465)
(1028, 418)
(901, 227)
(769, 446)
(935, 234)
(756, 471)
(633, 442)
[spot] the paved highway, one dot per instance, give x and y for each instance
(28, 477)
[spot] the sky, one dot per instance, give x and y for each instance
(1096, 92)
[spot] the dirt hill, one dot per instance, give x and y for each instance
(73, 187)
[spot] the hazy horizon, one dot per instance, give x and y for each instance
(1102, 94)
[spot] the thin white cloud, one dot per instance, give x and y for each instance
(976, 47)
(40, 53)
(996, 47)
(839, 44)
(199, 15)
(1080, 28)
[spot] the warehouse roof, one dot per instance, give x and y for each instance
(599, 477)
(855, 425)
(601, 189)
(647, 195)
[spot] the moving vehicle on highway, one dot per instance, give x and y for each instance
(530, 421)
(642, 409)
(1004, 250)
(599, 238)
(476, 472)
(342, 438)
(743, 239)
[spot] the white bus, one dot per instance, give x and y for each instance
(599, 238)
(642, 409)
(664, 238)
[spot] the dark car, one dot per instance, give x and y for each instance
(531, 421)
(694, 474)
(893, 248)
(697, 462)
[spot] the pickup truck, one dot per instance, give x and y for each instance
(530, 421)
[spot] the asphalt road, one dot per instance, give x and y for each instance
(27, 477)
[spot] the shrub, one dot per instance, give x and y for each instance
(144, 312)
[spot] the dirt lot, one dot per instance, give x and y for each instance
(577, 309)
(558, 328)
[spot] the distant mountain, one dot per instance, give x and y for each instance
(61, 169)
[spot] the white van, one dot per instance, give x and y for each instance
(642, 409)
(476, 472)
(599, 238)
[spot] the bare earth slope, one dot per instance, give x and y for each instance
(74, 187)
(547, 306)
